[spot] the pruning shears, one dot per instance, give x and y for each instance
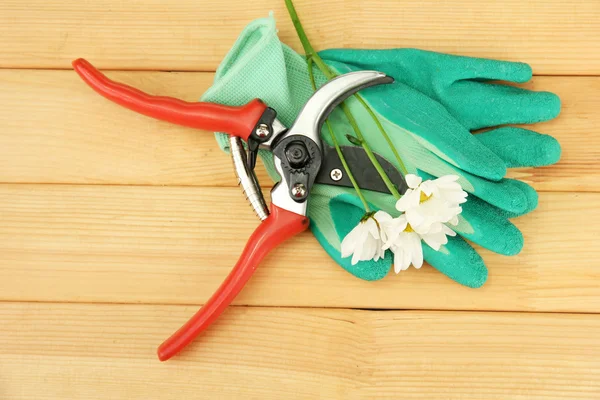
(300, 158)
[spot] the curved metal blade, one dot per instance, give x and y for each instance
(332, 171)
(304, 136)
(330, 95)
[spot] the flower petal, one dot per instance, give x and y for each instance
(448, 231)
(413, 180)
(349, 242)
(382, 216)
(406, 257)
(398, 256)
(428, 188)
(414, 217)
(363, 242)
(417, 256)
(435, 240)
(355, 258)
(410, 199)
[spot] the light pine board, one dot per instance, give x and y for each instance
(102, 209)
(80, 351)
(176, 244)
(57, 130)
(556, 37)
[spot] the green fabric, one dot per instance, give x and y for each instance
(428, 112)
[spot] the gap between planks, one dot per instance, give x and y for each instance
(72, 135)
(85, 350)
(299, 307)
(557, 38)
(175, 245)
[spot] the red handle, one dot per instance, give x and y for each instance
(278, 227)
(237, 121)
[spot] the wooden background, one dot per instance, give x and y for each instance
(115, 227)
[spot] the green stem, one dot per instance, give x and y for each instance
(369, 152)
(383, 132)
(346, 167)
(312, 56)
(337, 145)
(311, 75)
(308, 49)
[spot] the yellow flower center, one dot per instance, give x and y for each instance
(424, 197)
(408, 228)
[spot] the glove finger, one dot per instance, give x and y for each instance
(479, 105)
(431, 124)
(506, 194)
(433, 68)
(489, 227)
(520, 147)
(530, 194)
(459, 261)
(331, 219)
(488, 69)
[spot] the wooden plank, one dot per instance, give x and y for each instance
(556, 37)
(90, 351)
(175, 245)
(57, 130)
(572, 128)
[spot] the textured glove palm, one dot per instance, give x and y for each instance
(427, 112)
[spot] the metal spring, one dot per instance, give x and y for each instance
(247, 179)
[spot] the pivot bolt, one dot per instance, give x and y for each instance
(297, 154)
(336, 174)
(262, 131)
(299, 190)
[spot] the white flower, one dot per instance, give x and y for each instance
(427, 207)
(405, 243)
(437, 236)
(429, 203)
(365, 241)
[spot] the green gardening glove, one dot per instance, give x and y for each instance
(431, 145)
(430, 139)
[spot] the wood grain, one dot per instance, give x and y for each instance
(57, 130)
(556, 37)
(89, 351)
(175, 245)
(114, 227)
